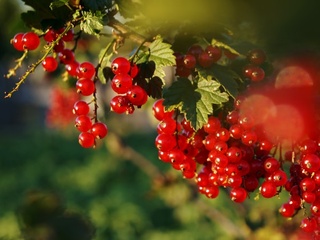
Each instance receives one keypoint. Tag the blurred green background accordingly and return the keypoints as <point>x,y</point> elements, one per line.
<point>121,191</point>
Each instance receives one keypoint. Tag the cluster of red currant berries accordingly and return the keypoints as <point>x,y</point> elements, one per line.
<point>197,56</point>
<point>129,94</point>
<point>230,153</point>
<point>253,69</point>
<point>25,41</point>
<point>90,128</point>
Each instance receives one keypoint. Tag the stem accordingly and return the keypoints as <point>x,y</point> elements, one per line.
<point>33,67</point>
<point>19,61</point>
<point>127,32</point>
<point>96,78</point>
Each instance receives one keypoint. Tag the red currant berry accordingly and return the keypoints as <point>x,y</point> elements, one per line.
<point>214,52</point>
<point>120,65</point>
<point>50,35</point>
<point>189,61</point>
<point>59,47</point>
<point>308,224</point>
<point>167,125</point>
<point>182,71</point>
<point>17,42</point>
<point>238,194</point>
<point>121,83</point>
<point>256,56</point>
<point>159,111</point>
<point>68,36</point>
<point>86,70</point>
<point>86,140</point>
<point>249,137</point>
<point>119,104</point>
<point>50,64</point>
<point>310,162</point>
<point>213,125</point>
<point>205,60</point>
<point>268,189</point>
<point>66,56</point>
<point>165,142</point>
<point>30,40</point>
<point>137,95</point>
<point>257,74</point>
<point>83,123</point>
<point>271,165</point>
<point>72,68</point>
<point>81,108</point>
<point>85,86</point>
<point>99,130</point>
<point>287,210</point>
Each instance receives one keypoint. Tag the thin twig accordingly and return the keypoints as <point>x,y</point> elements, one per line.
<point>33,67</point>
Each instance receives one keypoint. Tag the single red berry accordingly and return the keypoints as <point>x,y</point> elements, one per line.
<point>119,104</point>
<point>213,125</point>
<point>307,184</point>
<point>214,52</point>
<point>165,142</point>
<point>81,108</point>
<point>72,68</point>
<point>158,110</point>
<point>30,40</point>
<point>268,189</point>
<point>83,123</point>
<point>99,130</point>
<point>256,56</point>
<point>212,191</point>
<point>66,56</point>
<point>309,224</point>
<point>17,42</point>
<point>189,61</point>
<point>310,162</point>
<point>120,65</point>
<point>287,210</point>
<point>205,60</point>
<point>137,95</point>
<point>167,125</point>
<point>271,165</point>
<point>50,64</point>
<point>257,74</point>
<point>249,137</point>
<point>50,35</point>
<point>59,47</point>
<point>238,194</point>
<point>86,70</point>
<point>250,183</point>
<point>85,86</point>
<point>68,36</point>
<point>86,140</point>
<point>182,71</point>
<point>121,83</point>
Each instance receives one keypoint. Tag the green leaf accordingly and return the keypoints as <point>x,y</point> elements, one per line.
<point>58,3</point>
<point>196,102</point>
<point>92,23</point>
<point>162,54</point>
<point>103,73</point>
<point>210,94</point>
<point>155,87</point>
<point>224,75</point>
<point>42,16</point>
<point>181,95</point>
